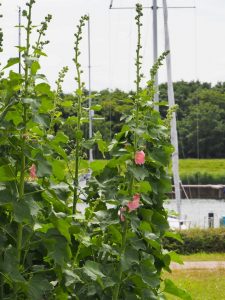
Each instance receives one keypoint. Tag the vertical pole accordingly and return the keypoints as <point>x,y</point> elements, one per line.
<point>174,138</point>
<point>19,38</point>
<point>155,47</point>
<point>91,112</point>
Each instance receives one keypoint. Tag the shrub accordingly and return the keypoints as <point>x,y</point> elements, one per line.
<point>202,178</point>
<point>198,240</point>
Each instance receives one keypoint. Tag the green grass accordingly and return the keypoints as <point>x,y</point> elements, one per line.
<point>200,284</point>
<point>204,257</point>
<point>210,166</point>
<point>202,171</point>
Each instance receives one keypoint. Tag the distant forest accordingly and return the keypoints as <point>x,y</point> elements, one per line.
<point>200,116</point>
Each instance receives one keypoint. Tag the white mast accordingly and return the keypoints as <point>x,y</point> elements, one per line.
<point>174,138</point>
<point>155,48</point>
<point>19,38</point>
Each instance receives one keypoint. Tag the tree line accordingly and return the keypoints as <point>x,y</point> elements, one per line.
<point>200,116</point>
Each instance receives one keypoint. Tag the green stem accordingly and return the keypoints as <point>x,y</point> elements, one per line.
<point>122,251</point>
<point>138,69</point>
<point>1,287</point>
<point>130,187</point>
<point>79,94</point>
<point>23,158</point>
<point>77,160</point>
<point>77,154</point>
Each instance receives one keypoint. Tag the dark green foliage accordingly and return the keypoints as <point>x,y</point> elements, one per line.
<point>201,115</point>
<point>202,178</point>
<point>198,240</point>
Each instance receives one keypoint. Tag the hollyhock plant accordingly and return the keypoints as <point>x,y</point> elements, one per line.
<point>139,157</point>
<point>33,171</point>
<point>135,203</point>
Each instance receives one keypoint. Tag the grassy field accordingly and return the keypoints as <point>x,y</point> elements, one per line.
<point>200,284</point>
<point>204,257</point>
<point>202,171</point>
<point>210,166</point>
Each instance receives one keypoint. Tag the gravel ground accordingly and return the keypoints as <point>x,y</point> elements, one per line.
<point>198,265</point>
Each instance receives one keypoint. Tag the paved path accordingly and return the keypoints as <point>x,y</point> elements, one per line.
<point>198,265</point>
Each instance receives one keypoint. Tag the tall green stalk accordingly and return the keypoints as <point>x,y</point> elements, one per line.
<point>122,251</point>
<point>23,133</point>
<point>79,94</point>
<point>137,81</point>
<point>138,64</point>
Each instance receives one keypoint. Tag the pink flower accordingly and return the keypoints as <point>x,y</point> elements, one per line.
<point>33,171</point>
<point>122,209</point>
<point>135,203</point>
<point>139,158</point>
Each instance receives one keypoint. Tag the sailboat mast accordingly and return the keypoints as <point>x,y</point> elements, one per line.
<point>174,137</point>
<point>19,37</point>
<point>155,47</point>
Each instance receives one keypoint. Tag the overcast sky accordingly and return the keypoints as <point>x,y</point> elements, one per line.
<point>197,40</point>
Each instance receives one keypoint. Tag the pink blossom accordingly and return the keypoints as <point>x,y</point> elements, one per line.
<point>135,203</point>
<point>139,158</point>
<point>122,217</point>
<point>33,171</point>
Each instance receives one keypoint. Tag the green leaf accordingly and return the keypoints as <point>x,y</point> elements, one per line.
<point>58,247</point>
<point>117,237</point>
<point>148,273</point>
<point>47,104</point>
<point>129,258</point>
<point>67,103</point>
<point>79,92</point>
<point>97,166</point>
<point>39,52</point>
<point>146,214</point>
<point>61,138</point>
<point>37,287</point>
<point>43,89</point>
<point>96,107</point>
<point>14,116</point>
<point>71,120</point>
<point>58,169</point>
<point>6,173</point>
<point>175,257</point>
<point>145,187</point>
<point>160,221</point>
<point>41,119</point>
<point>59,150</point>
<point>139,172</point>
<point>70,277</point>
<point>92,269</point>
<point>175,236</point>
<point>10,264</point>
<point>62,225</point>
<point>138,243</point>
<point>172,289</point>
<point>6,195</point>
<point>44,168</point>
<point>88,144</point>
<point>37,130</point>
<point>35,66</point>
<point>22,211</point>
<point>12,61</point>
